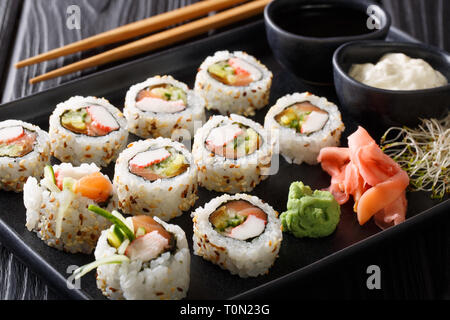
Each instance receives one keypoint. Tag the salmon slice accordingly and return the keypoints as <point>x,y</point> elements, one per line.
<point>380,196</point>
<point>11,134</point>
<point>255,219</point>
<point>246,209</point>
<point>94,186</point>
<point>150,225</point>
<point>147,93</point>
<point>102,121</point>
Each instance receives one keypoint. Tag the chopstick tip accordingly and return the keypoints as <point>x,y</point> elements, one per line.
<point>19,65</point>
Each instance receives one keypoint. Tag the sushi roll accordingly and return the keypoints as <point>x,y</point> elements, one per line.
<point>232,154</point>
<point>234,83</point>
<point>57,206</point>
<point>24,152</point>
<point>87,130</point>
<point>163,107</point>
<point>140,258</point>
<point>240,233</point>
<point>305,123</point>
<point>156,177</point>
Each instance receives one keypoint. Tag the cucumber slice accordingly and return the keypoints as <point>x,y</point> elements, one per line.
<point>140,232</point>
<point>115,237</point>
<point>69,183</point>
<point>49,174</point>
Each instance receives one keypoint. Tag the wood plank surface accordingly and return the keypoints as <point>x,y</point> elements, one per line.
<point>9,16</point>
<point>43,26</point>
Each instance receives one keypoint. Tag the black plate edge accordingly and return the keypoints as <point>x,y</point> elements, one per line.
<point>25,254</point>
<point>437,211</point>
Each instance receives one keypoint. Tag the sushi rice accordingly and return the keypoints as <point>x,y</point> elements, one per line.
<point>80,228</point>
<point>14,172</point>
<point>228,99</point>
<point>164,198</point>
<point>146,124</point>
<point>244,258</point>
<point>229,175</point>
<point>68,146</point>
<point>166,277</point>
<point>297,147</point>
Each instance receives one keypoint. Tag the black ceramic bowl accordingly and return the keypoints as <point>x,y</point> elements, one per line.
<point>303,34</point>
<point>379,108</point>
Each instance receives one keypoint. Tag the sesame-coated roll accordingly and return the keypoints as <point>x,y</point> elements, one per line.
<point>234,83</point>
<point>163,107</point>
<point>87,130</point>
<point>232,154</point>
<point>156,177</point>
<point>155,266</point>
<point>24,151</point>
<point>57,206</point>
<point>305,124</point>
<point>240,233</point>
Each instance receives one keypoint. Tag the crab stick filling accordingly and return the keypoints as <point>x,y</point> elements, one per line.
<point>152,239</point>
<point>16,141</point>
<point>235,72</point>
<point>91,121</point>
<point>239,219</point>
<point>157,164</point>
<point>303,117</point>
<point>163,98</point>
<point>233,141</point>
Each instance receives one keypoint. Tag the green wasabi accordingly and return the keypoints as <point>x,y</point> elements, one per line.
<point>310,214</point>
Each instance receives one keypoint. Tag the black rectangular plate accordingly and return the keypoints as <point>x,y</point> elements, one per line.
<point>296,256</point>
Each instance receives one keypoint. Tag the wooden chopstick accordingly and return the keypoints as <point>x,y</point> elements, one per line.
<point>161,39</point>
<point>134,29</point>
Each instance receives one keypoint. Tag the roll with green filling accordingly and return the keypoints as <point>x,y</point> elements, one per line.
<point>310,214</point>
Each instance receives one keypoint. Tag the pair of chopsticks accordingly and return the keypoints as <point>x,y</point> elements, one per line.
<point>152,42</point>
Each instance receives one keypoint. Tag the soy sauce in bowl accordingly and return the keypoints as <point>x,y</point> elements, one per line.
<point>324,22</point>
<point>303,34</point>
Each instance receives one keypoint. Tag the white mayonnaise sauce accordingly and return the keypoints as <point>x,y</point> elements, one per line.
<point>397,71</point>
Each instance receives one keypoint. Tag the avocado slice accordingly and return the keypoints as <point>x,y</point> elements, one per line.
<point>12,150</point>
<point>74,120</point>
<point>252,141</point>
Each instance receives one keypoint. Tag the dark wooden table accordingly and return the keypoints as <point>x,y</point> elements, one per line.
<point>30,27</point>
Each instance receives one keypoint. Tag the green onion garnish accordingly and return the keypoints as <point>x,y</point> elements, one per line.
<point>106,214</point>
